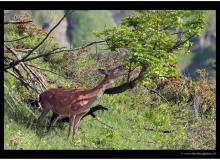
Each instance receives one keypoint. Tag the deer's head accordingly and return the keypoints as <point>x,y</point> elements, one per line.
<point>112,73</point>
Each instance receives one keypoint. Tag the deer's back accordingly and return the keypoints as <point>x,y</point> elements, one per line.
<point>59,99</point>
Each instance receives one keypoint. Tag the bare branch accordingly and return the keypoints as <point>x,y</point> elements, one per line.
<point>20,50</point>
<point>20,79</point>
<point>27,69</point>
<point>14,40</point>
<point>103,123</point>
<point>89,44</point>
<point>39,44</point>
<point>8,58</point>
<point>48,71</point>
<point>46,54</point>
<point>177,33</point>
<point>129,72</point>
<point>52,29</point>
<point>15,69</point>
<point>23,50</point>
<point>152,91</point>
<point>11,50</point>
<point>179,43</point>
<point>35,75</point>
<point>54,51</point>
<point>16,22</point>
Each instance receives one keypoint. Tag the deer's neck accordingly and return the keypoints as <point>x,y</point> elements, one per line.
<point>99,89</point>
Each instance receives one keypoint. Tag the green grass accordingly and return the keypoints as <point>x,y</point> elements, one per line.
<point>128,124</point>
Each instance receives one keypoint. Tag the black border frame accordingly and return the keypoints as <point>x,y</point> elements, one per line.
<point>104,5</point>
<point>109,5</point>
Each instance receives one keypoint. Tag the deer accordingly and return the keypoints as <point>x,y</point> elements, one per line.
<point>73,103</point>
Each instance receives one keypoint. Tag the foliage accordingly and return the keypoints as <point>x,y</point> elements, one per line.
<point>198,93</point>
<point>204,53</point>
<point>34,34</point>
<point>130,123</point>
<point>155,38</point>
<point>205,59</point>
<point>23,37</point>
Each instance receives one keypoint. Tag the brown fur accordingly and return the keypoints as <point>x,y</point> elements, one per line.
<point>72,103</point>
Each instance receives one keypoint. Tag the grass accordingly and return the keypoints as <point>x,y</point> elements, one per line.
<point>128,124</point>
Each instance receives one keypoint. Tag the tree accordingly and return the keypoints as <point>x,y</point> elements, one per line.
<point>153,39</point>
<point>149,40</point>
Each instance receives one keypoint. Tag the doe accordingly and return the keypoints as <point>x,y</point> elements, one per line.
<point>73,103</point>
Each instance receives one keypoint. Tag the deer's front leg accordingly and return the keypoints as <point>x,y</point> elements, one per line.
<point>72,117</point>
<point>43,115</point>
<point>53,121</point>
<point>78,118</point>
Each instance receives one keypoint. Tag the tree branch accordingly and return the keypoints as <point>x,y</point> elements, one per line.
<point>29,71</point>
<point>20,79</point>
<point>35,75</point>
<point>129,72</point>
<point>103,123</point>
<point>127,85</point>
<point>152,91</point>
<point>16,22</point>
<point>8,58</point>
<point>39,44</point>
<point>46,54</point>
<point>179,43</point>
<point>13,40</point>
<point>89,44</point>
<point>54,51</point>
<point>64,50</point>
<point>48,71</point>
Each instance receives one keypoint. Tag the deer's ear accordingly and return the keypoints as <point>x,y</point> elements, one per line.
<point>102,71</point>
